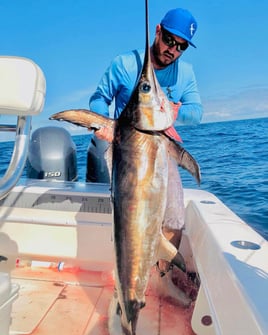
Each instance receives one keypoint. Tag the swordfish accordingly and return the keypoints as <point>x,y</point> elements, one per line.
<point>141,148</point>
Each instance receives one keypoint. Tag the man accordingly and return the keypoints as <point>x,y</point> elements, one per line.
<point>172,37</point>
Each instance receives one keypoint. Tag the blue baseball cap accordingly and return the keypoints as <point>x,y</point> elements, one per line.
<point>180,22</point>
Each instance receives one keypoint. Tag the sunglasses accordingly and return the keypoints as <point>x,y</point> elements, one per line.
<point>170,41</point>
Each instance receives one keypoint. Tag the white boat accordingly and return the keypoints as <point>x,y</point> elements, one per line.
<point>56,248</point>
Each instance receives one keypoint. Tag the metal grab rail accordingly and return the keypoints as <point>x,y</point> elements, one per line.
<point>8,127</point>
<point>19,156</point>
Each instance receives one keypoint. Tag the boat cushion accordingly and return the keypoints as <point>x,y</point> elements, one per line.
<point>22,86</point>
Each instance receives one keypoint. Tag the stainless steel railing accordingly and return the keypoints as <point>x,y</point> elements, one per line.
<point>19,156</point>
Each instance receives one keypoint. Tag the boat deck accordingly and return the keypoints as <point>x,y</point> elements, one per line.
<point>75,302</point>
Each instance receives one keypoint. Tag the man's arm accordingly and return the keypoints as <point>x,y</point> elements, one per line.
<point>190,113</point>
<point>102,98</point>
<point>116,84</point>
<point>191,110</point>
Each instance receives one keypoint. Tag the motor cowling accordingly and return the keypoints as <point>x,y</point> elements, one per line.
<point>97,169</point>
<point>52,155</point>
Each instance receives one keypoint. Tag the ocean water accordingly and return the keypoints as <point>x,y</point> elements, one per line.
<point>233,157</point>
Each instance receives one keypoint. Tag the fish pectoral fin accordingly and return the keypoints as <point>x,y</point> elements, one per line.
<point>95,126</point>
<point>84,118</point>
<point>185,160</point>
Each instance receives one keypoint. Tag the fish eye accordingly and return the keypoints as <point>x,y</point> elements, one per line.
<point>145,87</point>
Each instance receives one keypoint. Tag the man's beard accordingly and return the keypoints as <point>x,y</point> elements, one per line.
<point>157,59</point>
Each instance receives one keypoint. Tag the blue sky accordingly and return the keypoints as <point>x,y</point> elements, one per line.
<point>73,41</point>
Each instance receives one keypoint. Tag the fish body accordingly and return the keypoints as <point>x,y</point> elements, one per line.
<point>141,150</point>
<point>139,197</point>
<point>139,193</point>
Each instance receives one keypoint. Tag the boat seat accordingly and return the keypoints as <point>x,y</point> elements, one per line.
<point>22,93</point>
<point>22,86</point>
<point>231,259</point>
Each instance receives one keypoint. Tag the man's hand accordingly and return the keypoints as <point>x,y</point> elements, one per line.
<point>105,133</point>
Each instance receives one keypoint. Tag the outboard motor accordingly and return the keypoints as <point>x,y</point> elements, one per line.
<point>52,155</point>
<point>97,170</point>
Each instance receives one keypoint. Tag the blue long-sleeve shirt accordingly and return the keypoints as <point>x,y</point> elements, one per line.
<point>177,81</point>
